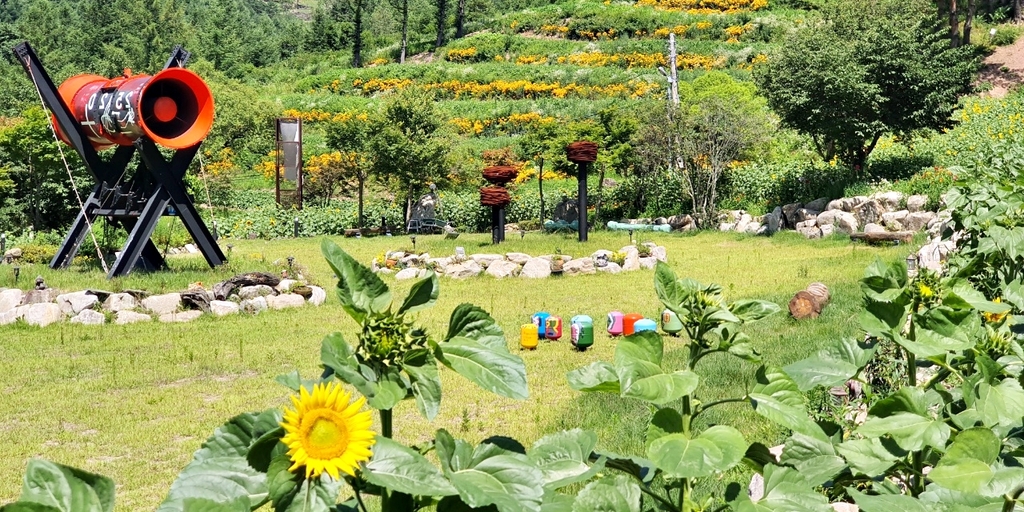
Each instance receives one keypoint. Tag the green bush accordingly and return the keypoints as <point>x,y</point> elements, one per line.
<point>760,187</point>
<point>1006,35</point>
<point>38,253</point>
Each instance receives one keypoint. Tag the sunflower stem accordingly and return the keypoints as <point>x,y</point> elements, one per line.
<point>385,431</point>
<point>385,423</point>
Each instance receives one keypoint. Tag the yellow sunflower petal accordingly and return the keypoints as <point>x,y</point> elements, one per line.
<point>326,432</point>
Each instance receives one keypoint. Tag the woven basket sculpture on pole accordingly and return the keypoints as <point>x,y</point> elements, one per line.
<point>496,196</point>
<point>582,153</point>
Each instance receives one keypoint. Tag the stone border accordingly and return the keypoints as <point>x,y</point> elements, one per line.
<point>518,264</point>
<point>878,213</point>
<point>94,307</point>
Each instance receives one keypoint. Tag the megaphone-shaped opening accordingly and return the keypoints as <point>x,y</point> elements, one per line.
<point>176,108</point>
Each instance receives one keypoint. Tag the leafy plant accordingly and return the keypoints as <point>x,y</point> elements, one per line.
<point>680,453</point>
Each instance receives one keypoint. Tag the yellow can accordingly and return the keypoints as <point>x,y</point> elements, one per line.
<point>528,336</point>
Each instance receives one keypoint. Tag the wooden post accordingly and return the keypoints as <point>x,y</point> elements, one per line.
<point>673,74</point>
<point>540,188</point>
<point>581,201</point>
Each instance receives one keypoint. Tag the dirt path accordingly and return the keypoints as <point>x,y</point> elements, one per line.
<point>1004,69</point>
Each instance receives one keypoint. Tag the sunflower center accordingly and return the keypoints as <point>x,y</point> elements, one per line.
<point>326,435</point>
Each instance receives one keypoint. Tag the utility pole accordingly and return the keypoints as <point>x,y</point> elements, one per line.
<point>674,77</point>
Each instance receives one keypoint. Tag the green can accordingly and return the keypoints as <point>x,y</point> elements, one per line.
<point>670,322</point>
<point>582,332</point>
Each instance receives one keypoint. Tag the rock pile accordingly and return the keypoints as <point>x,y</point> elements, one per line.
<point>95,307</point>
<point>882,212</point>
<point>517,264</point>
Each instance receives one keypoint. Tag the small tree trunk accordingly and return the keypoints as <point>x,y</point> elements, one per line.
<point>808,303</point>
<point>405,30</point>
<point>972,8</point>
<point>442,21</point>
<point>600,195</point>
<point>540,189</point>
<point>1018,10</point>
<point>357,37</point>
<point>954,24</point>
<point>460,19</point>
<point>360,199</point>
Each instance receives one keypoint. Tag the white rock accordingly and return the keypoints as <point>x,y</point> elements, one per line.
<point>916,203</point>
<point>773,221</point>
<point>753,228</point>
<point>223,308</point>
<point>835,204</point>
<point>254,305</point>
<point>661,253</point>
<point>119,302</point>
<point>486,259</point>
<point>536,268</point>
<point>251,292</point>
<point>89,317</point>
<point>411,260</point>
<point>890,200</point>
<point>42,314</point>
<point>789,213</point>
<point>285,300</point>
<point>918,220</point>
<point>827,230</point>
<point>318,297</point>
<point>648,262</point>
<point>743,222</point>
<point>726,226</point>
<point>809,223</point>
<point>891,217</point>
<point>869,212</point>
<point>285,285</point>
<point>191,249</point>
<point>395,255</point>
<point>163,304</point>
<point>73,303</point>
<point>407,273</point>
<point>579,266</point>
<point>463,270</point>
<point>934,253</point>
<point>440,263</point>
<point>10,299</point>
<point>811,232</point>
<point>180,316</point>
<point>131,317</point>
<point>845,507</point>
<point>611,268</point>
<point>9,317</point>
<point>385,271</point>
<point>871,227</point>
<point>501,269</point>
<point>519,258</point>
<point>805,214</point>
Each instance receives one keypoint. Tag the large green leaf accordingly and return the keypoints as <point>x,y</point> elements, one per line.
<point>617,494</point>
<point>359,289</point>
<point>908,399</point>
<point>65,488</point>
<point>232,439</point>
<point>717,449</point>
<point>665,421</point>
<point>470,321</point>
<point>28,506</point>
<point>220,479</point>
<point>962,295</point>
<point>390,389</point>
<point>402,469</point>
<point>777,397</point>
<point>645,381</point>
<point>965,475</point>
<point>422,295</point>
<point>292,492</point>
<point>426,384</point>
<point>868,456</point>
<point>943,329</point>
<point>911,432</point>
<point>831,366</point>
<point>336,354</point>
<point>597,376</point>
<point>977,443</point>
<point>813,457</point>
<point>640,468</point>
<point>1002,404</point>
<point>883,319</point>
<point>667,288</point>
<point>887,502</point>
<point>204,505</point>
<point>493,369</point>
<point>500,478</point>
<point>555,502</point>
<point>750,310</point>
<point>884,283</point>
<point>563,457</point>
<point>643,346</point>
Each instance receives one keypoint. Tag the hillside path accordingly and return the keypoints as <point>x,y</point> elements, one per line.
<point>1004,69</point>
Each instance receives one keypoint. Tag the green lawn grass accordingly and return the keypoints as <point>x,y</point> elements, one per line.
<point>133,402</point>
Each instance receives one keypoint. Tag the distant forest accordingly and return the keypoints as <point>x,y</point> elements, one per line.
<point>238,37</point>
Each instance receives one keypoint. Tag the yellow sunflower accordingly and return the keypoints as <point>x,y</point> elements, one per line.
<point>326,431</point>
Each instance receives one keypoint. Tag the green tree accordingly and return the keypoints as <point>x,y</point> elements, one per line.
<point>408,144</point>
<point>351,138</point>
<point>864,70</point>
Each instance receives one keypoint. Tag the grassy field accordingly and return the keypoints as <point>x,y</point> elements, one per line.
<point>133,402</point>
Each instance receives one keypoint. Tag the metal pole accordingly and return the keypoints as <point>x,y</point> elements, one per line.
<point>581,201</point>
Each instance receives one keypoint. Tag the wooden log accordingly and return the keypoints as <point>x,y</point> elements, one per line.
<point>889,236</point>
<point>808,303</point>
<point>222,289</point>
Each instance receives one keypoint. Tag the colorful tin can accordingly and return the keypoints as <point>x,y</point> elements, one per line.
<point>615,323</point>
<point>670,322</point>
<point>645,324</point>
<point>553,327</point>
<point>528,336</point>
<point>629,323</point>
<point>539,320</point>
